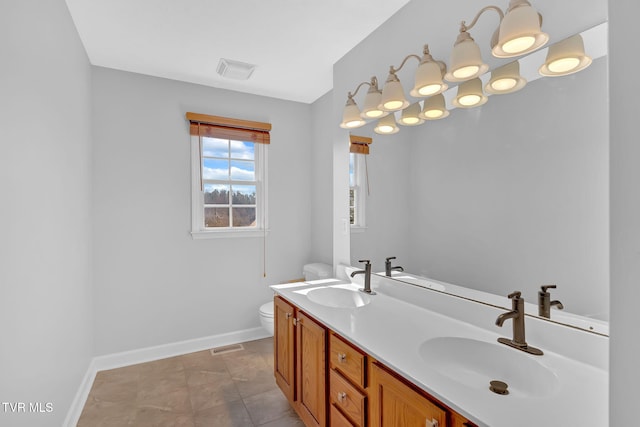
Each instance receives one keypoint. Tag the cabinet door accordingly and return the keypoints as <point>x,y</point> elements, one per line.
<point>395,404</point>
<point>283,347</point>
<point>311,371</point>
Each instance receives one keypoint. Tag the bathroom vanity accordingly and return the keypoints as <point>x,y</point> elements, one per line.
<point>413,357</point>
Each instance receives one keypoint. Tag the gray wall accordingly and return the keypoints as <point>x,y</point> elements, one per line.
<point>321,179</point>
<point>45,222</point>
<point>625,214</point>
<point>514,194</point>
<point>154,284</point>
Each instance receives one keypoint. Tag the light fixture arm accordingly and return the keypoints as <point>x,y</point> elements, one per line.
<point>372,83</point>
<point>464,27</point>
<point>393,70</point>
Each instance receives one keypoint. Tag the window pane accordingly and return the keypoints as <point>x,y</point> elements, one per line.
<point>244,217</point>
<point>244,194</point>
<point>216,217</point>
<point>242,150</point>
<point>214,147</point>
<point>215,169</point>
<point>242,170</point>
<point>352,170</point>
<point>216,194</point>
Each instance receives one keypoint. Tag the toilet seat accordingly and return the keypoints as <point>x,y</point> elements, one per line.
<point>266,309</point>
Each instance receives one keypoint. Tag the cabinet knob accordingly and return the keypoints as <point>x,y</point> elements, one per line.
<point>432,423</point>
<point>342,357</point>
<point>342,396</point>
<point>289,315</point>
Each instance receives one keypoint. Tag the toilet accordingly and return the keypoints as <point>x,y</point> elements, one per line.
<point>315,271</point>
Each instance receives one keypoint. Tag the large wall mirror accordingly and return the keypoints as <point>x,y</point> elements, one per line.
<point>509,196</point>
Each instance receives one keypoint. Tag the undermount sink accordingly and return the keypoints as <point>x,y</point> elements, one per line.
<point>338,297</point>
<point>475,364</point>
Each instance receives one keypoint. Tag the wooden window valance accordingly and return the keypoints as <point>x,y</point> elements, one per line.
<point>227,128</point>
<point>359,144</point>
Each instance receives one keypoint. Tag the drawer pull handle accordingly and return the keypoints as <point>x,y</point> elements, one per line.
<point>342,396</point>
<point>342,357</point>
<point>432,423</point>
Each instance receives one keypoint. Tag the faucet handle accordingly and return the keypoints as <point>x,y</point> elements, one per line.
<point>390,258</point>
<point>367,261</point>
<point>514,295</point>
<point>545,287</point>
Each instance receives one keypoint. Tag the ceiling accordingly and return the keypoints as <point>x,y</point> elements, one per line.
<point>294,43</point>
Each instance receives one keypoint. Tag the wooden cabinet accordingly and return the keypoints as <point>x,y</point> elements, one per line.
<point>283,347</point>
<point>311,374</point>
<point>300,362</point>
<point>331,382</point>
<point>395,404</point>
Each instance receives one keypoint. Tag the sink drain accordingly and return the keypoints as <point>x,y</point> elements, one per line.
<point>498,387</point>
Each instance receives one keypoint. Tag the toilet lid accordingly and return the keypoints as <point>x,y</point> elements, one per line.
<point>267,309</point>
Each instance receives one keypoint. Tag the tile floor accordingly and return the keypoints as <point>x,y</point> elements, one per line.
<point>235,389</point>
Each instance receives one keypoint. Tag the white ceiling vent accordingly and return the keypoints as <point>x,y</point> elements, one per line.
<point>234,69</point>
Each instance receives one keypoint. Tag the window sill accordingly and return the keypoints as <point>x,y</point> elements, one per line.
<point>227,234</point>
<point>358,229</point>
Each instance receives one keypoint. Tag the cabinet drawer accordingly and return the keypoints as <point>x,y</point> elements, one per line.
<point>346,397</point>
<point>338,420</point>
<point>349,361</point>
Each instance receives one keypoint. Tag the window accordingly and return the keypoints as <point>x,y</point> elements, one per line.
<point>359,148</point>
<point>229,196</point>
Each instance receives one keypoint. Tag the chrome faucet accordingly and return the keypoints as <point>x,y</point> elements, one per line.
<point>388,269</point>
<point>545,303</point>
<point>517,315</point>
<point>367,276</point>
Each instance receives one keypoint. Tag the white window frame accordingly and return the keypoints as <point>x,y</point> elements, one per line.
<point>198,230</point>
<point>359,189</point>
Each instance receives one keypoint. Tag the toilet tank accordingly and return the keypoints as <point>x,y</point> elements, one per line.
<point>317,271</point>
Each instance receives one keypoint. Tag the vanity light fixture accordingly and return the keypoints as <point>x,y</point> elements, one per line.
<point>429,76</point>
<point>370,109</point>
<point>387,125</point>
<point>351,116</point>
<point>393,98</point>
<point>565,57</point>
<point>411,115</point>
<point>470,94</point>
<point>505,79</point>
<point>519,31</point>
<point>434,108</point>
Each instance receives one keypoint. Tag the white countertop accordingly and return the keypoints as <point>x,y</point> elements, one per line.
<point>392,330</point>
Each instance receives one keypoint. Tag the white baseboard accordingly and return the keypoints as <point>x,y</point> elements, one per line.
<point>148,354</point>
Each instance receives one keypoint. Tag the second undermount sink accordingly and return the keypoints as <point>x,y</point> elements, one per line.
<point>338,297</point>
<point>475,364</point>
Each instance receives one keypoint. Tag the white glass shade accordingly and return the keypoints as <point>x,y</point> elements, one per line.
<point>370,108</point>
<point>351,116</point>
<point>505,79</point>
<point>520,31</point>
<point>466,61</point>
<point>434,108</point>
<point>411,115</point>
<point>387,125</point>
<point>428,80</point>
<point>470,94</point>
<point>393,98</point>
<point>565,57</point>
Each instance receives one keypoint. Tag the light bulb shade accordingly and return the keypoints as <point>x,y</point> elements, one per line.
<point>434,108</point>
<point>470,94</point>
<point>393,98</point>
<point>351,116</point>
<point>505,79</point>
<point>387,125</point>
<point>565,57</point>
<point>411,115</point>
<point>520,31</point>
<point>370,108</point>
<point>428,80</point>
<point>466,61</point>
